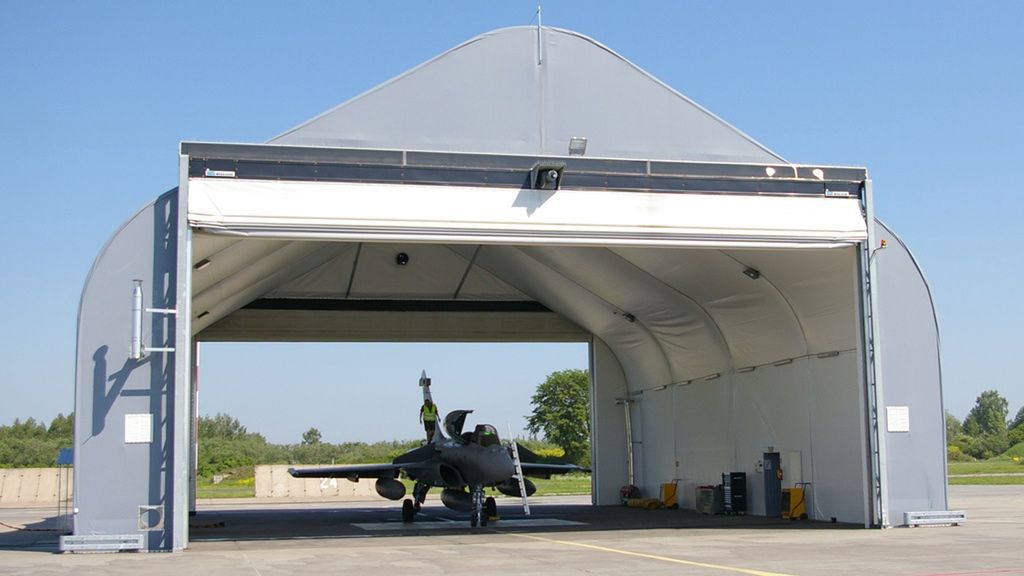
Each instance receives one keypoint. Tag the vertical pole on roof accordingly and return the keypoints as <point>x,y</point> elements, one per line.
<point>540,53</point>
<point>873,369</point>
<point>182,425</point>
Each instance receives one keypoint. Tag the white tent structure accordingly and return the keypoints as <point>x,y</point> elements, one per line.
<point>541,188</point>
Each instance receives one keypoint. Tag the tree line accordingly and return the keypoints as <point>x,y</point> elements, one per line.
<point>985,432</point>
<point>561,415</point>
<point>33,444</point>
<point>561,408</point>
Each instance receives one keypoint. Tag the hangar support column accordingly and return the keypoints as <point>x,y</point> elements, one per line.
<point>608,425</point>
<point>127,407</point>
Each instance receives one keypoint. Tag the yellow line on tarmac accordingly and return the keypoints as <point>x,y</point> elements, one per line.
<point>652,556</point>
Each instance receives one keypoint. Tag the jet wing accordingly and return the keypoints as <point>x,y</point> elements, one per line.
<point>352,471</point>
<point>415,458</point>
<point>538,470</point>
<point>531,467</point>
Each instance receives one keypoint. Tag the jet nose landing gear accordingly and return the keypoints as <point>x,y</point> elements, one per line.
<point>480,514</point>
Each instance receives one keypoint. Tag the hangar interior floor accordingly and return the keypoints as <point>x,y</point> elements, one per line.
<point>311,520</point>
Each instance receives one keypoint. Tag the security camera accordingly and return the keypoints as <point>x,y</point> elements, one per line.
<point>401,259</point>
<point>547,176</point>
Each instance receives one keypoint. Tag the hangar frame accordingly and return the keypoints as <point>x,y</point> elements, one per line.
<point>720,297</point>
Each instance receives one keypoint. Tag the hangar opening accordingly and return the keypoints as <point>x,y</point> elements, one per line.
<point>312,384</point>
<point>735,303</point>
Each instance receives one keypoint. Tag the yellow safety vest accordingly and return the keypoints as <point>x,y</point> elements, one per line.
<point>429,413</point>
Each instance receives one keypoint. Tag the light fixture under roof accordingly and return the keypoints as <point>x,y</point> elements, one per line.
<point>782,362</point>
<point>745,370</point>
<point>752,273</point>
<point>201,264</point>
<point>577,146</point>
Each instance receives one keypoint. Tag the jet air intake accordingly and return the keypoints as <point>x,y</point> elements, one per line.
<point>390,488</point>
<point>450,476</point>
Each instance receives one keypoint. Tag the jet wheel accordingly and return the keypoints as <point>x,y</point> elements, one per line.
<point>408,511</point>
<point>490,507</point>
<point>473,520</point>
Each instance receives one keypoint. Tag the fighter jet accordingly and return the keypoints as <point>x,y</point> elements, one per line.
<point>461,463</point>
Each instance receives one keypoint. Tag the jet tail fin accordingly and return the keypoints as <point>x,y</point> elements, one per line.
<point>525,454</point>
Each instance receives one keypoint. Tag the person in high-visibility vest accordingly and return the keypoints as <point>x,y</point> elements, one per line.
<point>428,416</point>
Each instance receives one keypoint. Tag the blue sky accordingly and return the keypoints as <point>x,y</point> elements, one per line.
<point>97,96</point>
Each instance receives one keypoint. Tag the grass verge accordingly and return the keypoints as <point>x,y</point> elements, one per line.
<point>986,480</point>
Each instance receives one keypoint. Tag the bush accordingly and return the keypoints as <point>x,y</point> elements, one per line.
<point>986,446</point>
<point>1016,451</point>
<point>955,454</point>
<point>1016,436</point>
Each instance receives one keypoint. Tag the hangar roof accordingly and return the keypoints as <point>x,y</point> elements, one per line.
<point>528,90</point>
<point>686,246</point>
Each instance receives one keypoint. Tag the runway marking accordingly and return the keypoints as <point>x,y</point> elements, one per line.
<point>447,524</point>
<point>978,572</point>
<point>650,556</point>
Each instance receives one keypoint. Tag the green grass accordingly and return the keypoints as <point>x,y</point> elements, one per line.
<point>996,465</point>
<point>241,486</point>
<point>1003,470</point>
<point>218,491</point>
<point>987,480</point>
<point>563,485</point>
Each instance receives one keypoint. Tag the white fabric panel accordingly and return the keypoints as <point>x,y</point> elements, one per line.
<point>471,214</point>
<point>433,272</point>
<point>839,466</point>
<point>811,406</point>
<point>231,259</point>
<point>636,350</point>
<point>658,428</point>
<point>771,411</point>
<point>706,448</point>
<point>821,286</point>
<point>206,245</point>
<point>755,320</point>
<point>329,280</point>
<point>256,280</point>
<point>688,338</point>
<point>482,285</point>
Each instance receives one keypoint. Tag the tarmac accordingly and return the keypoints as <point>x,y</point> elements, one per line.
<point>563,535</point>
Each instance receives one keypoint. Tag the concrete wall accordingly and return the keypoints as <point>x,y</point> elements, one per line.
<point>34,485</point>
<point>276,482</point>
